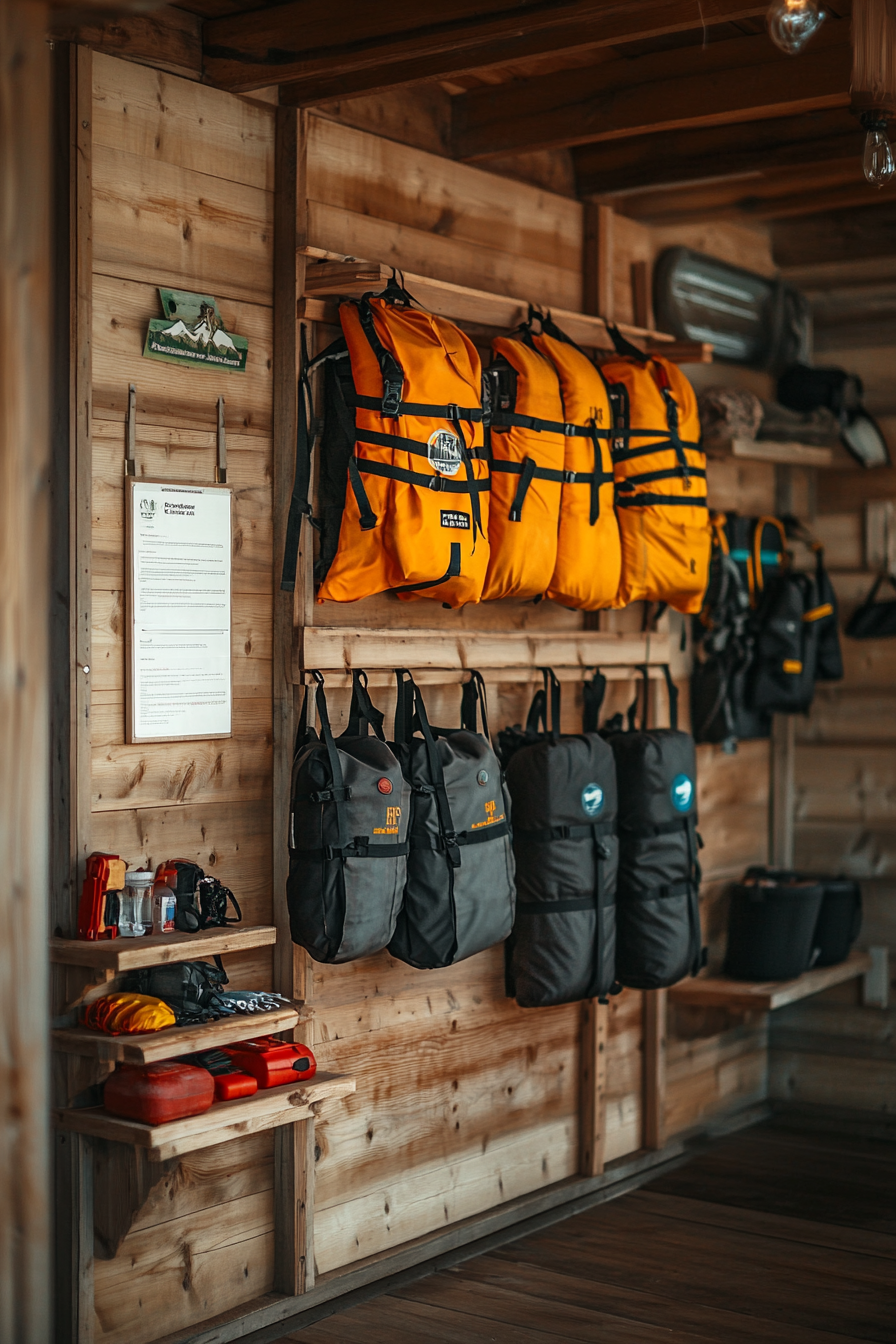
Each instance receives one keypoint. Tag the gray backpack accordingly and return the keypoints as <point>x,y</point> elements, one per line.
<point>348,834</point>
<point>563,789</point>
<point>460,894</point>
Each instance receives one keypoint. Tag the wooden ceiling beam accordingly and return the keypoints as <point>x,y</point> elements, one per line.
<point>319,53</point>
<point>837,236</point>
<point>711,152</point>
<point>743,79</point>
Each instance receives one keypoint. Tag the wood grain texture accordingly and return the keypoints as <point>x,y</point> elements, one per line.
<point>169,39</point>
<point>722,992</point>
<point>592,1105</point>
<point>25,373</point>
<point>157,949</point>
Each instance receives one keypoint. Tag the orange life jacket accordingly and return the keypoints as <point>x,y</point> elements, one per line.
<point>586,574</point>
<point>660,482</point>
<point>527,451</point>
<point>416,503</point>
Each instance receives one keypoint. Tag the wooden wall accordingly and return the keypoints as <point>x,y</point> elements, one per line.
<point>464,1101</point>
<point>183,196</point>
<point>830,1051</point>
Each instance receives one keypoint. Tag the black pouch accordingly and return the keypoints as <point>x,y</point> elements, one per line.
<point>873,619</point>
<point>190,988</point>
<point>213,897</point>
<point>187,915</point>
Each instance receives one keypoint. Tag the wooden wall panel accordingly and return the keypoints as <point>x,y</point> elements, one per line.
<point>183,179</point>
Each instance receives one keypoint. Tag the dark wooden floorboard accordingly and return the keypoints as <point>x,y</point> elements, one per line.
<point>770,1237</point>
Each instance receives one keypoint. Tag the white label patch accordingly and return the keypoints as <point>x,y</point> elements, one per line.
<point>444,452</point>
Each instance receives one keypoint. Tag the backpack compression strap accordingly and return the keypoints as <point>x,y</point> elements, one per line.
<point>672,690</point>
<point>593,693</point>
<point>473,705</point>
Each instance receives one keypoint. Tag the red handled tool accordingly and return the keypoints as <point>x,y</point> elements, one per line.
<point>273,1062</point>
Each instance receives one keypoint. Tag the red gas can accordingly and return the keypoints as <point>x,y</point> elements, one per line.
<point>273,1062</point>
<point>156,1093</point>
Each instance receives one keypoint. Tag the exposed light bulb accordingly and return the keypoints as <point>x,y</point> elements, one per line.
<point>792,22</point>
<point>877,160</point>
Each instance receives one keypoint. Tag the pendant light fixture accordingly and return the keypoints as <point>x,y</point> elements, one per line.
<point>792,22</point>
<point>873,84</point>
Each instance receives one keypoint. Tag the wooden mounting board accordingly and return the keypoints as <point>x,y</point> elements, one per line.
<point>769,450</point>
<point>346,279</point>
<point>150,1047</point>
<point>717,991</point>
<point>225,1120</point>
<point>342,648</point>
<point>158,949</point>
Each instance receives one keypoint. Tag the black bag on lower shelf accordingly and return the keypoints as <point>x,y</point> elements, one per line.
<point>460,895</point>
<point>657,895</point>
<point>873,619</point>
<point>771,927</point>
<point>839,919</point>
<point>563,789</point>
<point>348,834</point>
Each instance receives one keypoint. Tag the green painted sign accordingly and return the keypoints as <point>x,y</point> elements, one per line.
<point>191,332</point>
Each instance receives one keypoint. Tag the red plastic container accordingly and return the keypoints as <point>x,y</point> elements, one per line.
<point>230,1086</point>
<point>274,1062</point>
<point>157,1093</point>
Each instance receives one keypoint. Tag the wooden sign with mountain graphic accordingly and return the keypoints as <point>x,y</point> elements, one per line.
<point>191,332</point>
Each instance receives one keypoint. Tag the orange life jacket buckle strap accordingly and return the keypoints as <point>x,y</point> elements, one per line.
<point>391,370</point>
<point>366,515</point>
<point>425,409</point>
<point>643,501</point>
<point>451,572</point>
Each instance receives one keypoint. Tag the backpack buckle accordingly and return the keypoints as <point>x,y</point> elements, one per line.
<point>452,849</point>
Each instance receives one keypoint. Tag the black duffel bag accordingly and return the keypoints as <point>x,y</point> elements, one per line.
<point>348,834</point>
<point>460,894</point>
<point>873,619</point>
<point>563,789</point>
<point>657,893</point>
<point>771,927</point>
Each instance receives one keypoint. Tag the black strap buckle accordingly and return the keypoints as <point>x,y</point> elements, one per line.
<point>437,482</point>
<point>391,398</point>
<point>453,411</point>
<point>452,849</point>
<point>569,477</point>
<point>330,795</point>
<point>570,431</point>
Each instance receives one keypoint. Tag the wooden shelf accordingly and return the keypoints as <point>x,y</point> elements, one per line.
<point>225,1120</point>
<point>332,279</point>
<point>159,949</point>
<point>769,450</point>
<point>340,648</point>
<point>717,991</point>
<point>152,1046</point>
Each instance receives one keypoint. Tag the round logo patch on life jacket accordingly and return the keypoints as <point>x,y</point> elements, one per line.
<point>384,785</point>
<point>682,792</point>
<point>592,799</point>
<point>444,452</point>
<point>482,777</point>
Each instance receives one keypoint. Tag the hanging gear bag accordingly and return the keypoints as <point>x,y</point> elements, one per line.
<point>586,575</point>
<point>657,893</point>
<point>415,519</point>
<point>873,619</point>
<point>563,789</point>
<point>460,894</point>
<point>527,448</point>
<point>348,837</point>
<point>660,480</point>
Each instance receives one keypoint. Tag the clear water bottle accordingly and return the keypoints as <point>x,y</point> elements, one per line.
<point>136,906</point>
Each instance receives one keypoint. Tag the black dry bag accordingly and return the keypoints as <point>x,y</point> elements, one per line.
<point>839,920</point>
<point>459,897</point>
<point>657,892</point>
<point>771,927</point>
<point>563,790</point>
<point>348,834</point>
<point>873,619</point>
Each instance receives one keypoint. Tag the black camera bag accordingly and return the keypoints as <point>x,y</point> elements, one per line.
<point>460,894</point>
<point>348,835</point>
<point>657,892</point>
<point>563,790</point>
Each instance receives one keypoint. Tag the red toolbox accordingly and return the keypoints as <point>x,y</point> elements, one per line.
<point>273,1062</point>
<point>157,1093</point>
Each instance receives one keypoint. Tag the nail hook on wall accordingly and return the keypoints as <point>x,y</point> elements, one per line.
<point>221,468</point>
<point>130,437</point>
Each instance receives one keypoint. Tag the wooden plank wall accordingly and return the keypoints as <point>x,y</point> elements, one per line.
<point>183,196</point>
<point>831,1051</point>
<point>464,1101</point>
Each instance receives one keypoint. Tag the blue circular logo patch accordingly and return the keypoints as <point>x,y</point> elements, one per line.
<point>592,799</point>
<point>682,792</point>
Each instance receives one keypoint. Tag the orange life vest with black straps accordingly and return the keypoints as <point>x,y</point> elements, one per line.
<point>416,503</point>
<point>587,570</point>
<point>660,473</point>
<point>527,448</point>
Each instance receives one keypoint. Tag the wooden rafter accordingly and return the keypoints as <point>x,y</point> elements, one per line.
<point>837,236</point>
<point>714,152</point>
<point>743,79</point>
<point>322,53</point>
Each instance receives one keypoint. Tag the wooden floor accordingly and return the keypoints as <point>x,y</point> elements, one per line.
<point>771,1236</point>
